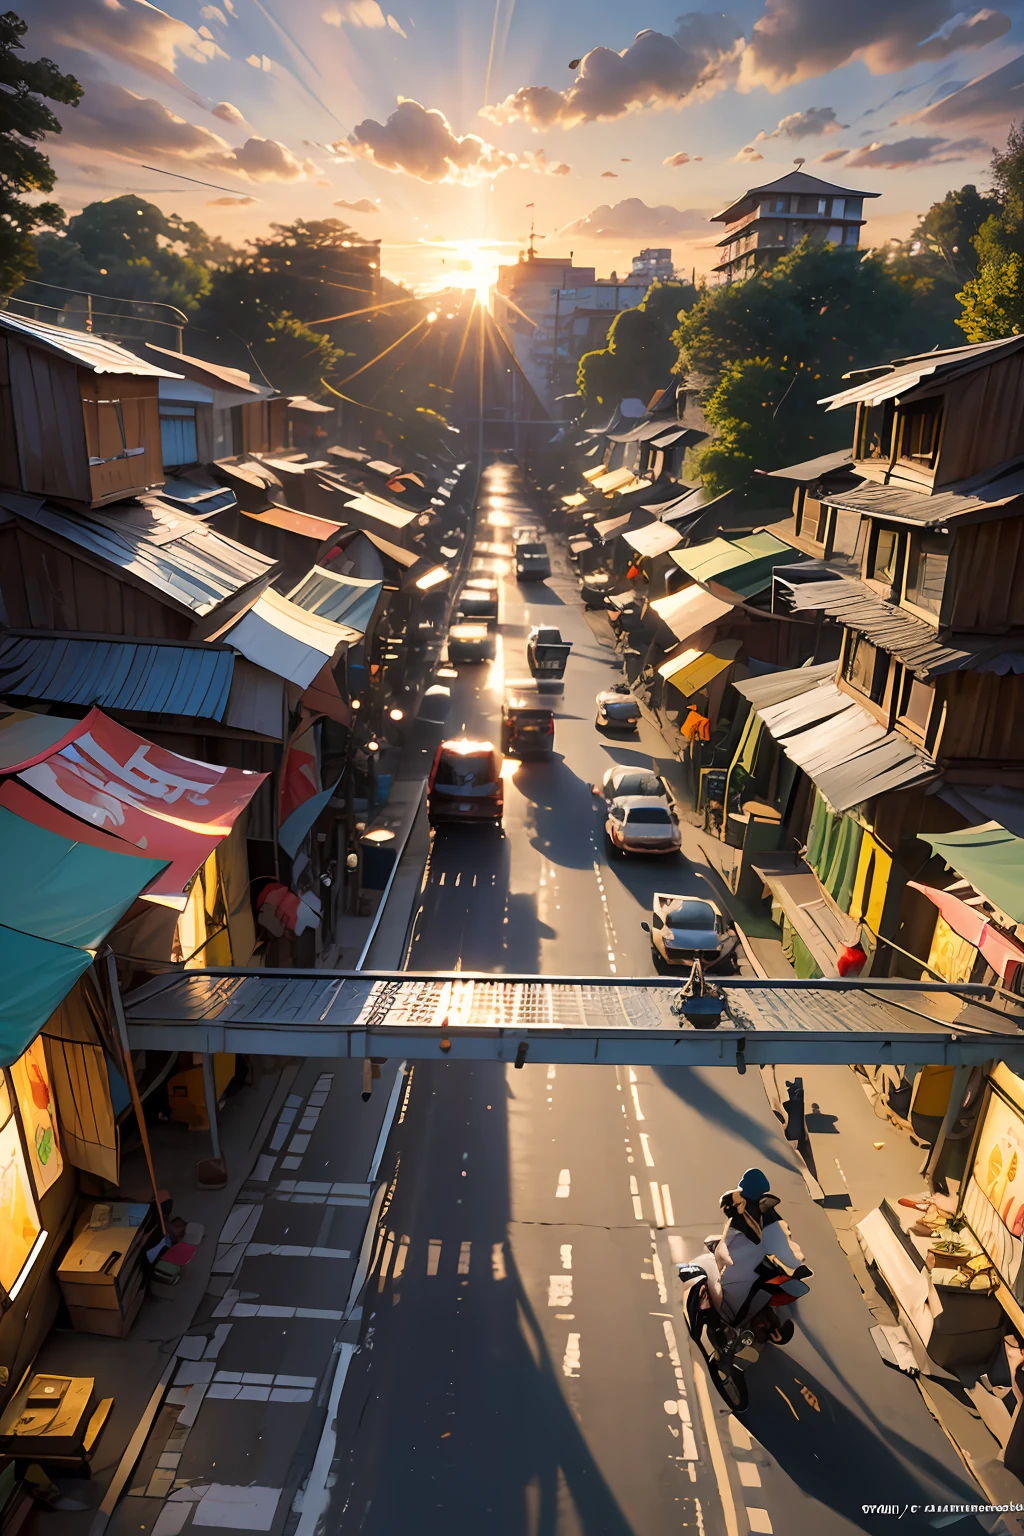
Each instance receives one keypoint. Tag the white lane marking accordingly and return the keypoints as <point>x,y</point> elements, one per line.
<point>740,1435</point>
<point>750,1477</point>
<point>562,1191</point>
<point>666,1200</point>
<point>718,1461</point>
<point>433,1255</point>
<point>565,1254</point>
<point>632,1076</point>
<point>571,1358</point>
<point>760,1522</point>
<point>659,1214</point>
<point>659,1275</point>
<point>646,1145</point>
<point>316,1497</point>
<point>498,1261</point>
<point>559,1290</point>
<point>464,1252</point>
<point>634,1189</point>
<point>551,1072</point>
<point>636,1101</point>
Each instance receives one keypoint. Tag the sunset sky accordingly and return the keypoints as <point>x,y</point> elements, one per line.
<point>433,126</point>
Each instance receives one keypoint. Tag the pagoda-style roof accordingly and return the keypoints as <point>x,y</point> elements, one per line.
<point>793,181</point>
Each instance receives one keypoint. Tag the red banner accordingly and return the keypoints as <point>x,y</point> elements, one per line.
<point>168,806</point>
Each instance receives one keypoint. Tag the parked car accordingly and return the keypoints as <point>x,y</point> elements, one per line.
<point>594,588</point>
<point>478,603</point>
<point>465,783</point>
<point>687,928</point>
<point>620,781</point>
<point>642,824</point>
<point>546,652</point>
<point>533,563</point>
<point>617,710</point>
<point>527,721</point>
<point>470,642</point>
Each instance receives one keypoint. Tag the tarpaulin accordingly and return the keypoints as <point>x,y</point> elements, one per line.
<point>38,975</point>
<point>1002,953</point>
<point>991,858</point>
<point>174,808</point>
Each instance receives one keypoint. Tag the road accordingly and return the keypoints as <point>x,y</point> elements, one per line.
<point>524,1368</point>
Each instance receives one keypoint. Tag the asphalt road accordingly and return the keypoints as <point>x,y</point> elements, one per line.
<point>524,1368</point>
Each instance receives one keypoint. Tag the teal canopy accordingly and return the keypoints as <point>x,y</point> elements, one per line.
<point>58,901</point>
<point>991,858</point>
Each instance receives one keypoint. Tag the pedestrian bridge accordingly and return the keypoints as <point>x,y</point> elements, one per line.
<point>565,1019</point>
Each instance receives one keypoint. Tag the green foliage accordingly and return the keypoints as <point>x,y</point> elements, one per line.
<point>993,301</point>
<point>766,350</point>
<point>25,87</point>
<point>949,228</point>
<point>294,357</point>
<point>640,354</point>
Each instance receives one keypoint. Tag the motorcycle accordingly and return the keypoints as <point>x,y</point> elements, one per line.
<point>730,1342</point>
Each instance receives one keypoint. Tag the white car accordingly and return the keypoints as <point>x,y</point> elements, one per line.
<point>620,781</point>
<point>687,928</point>
<point>642,824</point>
<point>617,709</point>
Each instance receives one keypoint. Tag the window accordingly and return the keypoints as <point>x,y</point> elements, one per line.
<point>926,570</point>
<point>919,432</point>
<point>885,557</point>
<point>865,667</point>
<point>835,234</point>
<point>821,532</point>
<point>916,702</point>
<point>823,205</point>
<point>853,207</point>
<point>178,435</point>
<point>874,431</point>
<point>839,207</point>
<point>850,237</point>
<point>780,205</point>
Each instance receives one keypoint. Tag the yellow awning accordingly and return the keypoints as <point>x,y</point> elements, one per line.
<point>691,670</point>
<point>595,473</point>
<point>575,500</point>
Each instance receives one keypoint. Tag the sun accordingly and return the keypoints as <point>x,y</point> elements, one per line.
<point>472,265</point>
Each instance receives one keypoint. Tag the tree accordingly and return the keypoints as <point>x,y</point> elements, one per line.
<point>293,357</point>
<point>25,87</point>
<point>949,228</point>
<point>771,347</point>
<point>993,301</point>
<point>640,354</point>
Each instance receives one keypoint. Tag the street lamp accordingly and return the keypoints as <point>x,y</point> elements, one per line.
<point>396,714</point>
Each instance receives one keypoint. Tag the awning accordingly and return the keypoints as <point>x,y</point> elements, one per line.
<point>811,470</point>
<point>688,611</point>
<point>1003,953</point>
<point>140,677</point>
<point>991,858</point>
<point>608,527</point>
<point>691,670</point>
<point>655,539</point>
<point>645,431</point>
<point>175,808</point>
<point>382,467</point>
<point>373,506</point>
<point>403,557</point>
<point>743,565</point>
<point>27,738</point>
<point>839,745</point>
<point>282,637</point>
<point>348,600</point>
<point>614,480</point>
<point>575,500</point>
<point>579,543</point>
<point>303,403</point>
<point>321,529</point>
<point>594,473</point>
<point>824,931</point>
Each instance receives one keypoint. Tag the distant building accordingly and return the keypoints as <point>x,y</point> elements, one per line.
<point>653,264</point>
<point>767,221</point>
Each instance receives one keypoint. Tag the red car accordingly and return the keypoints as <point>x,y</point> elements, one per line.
<point>465,783</point>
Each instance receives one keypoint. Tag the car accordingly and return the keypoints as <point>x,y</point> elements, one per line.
<point>641,824</point>
<point>436,704</point>
<point>465,783</point>
<point>594,588</point>
<point>478,603</point>
<point>470,642</point>
<point>527,720</point>
<point>620,781</point>
<point>546,651</point>
<point>687,928</point>
<point>533,563</point>
<point>617,709</point>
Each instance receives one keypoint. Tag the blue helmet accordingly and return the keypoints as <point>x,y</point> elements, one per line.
<point>753,1184</point>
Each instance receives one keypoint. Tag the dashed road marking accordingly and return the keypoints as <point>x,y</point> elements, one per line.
<point>666,1200</point>
<point>750,1477</point>
<point>645,1143</point>
<point>433,1255</point>
<point>498,1271</point>
<point>636,1102</point>
<point>565,1254</point>
<point>564,1182</point>
<point>571,1358</point>
<point>634,1189</point>
<point>559,1290</point>
<point>659,1214</point>
<point>760,1521</point>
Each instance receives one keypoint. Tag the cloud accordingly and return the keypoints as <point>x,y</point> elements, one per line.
<point>613,174</point>
<point>796,39</point>
<point>654,71</point>
<point>680,158</point>
<point>361,205</point>
<point>132,32</point>
<point>805,125</point>
<point>393,24</point>
<point>227,113</point>
<point>230,202</point>
<point>832,154</point>
<point>260,61</point>
<point>921,151</point>
<point>419,141</point>
<point>748,154</point>
<point>632,219</point>
<point>214,13</point>
<point>988,101</point>
<point>357,13</point>
<point>129,126</point>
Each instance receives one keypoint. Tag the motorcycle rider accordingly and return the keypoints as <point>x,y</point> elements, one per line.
<point>760,1265</point>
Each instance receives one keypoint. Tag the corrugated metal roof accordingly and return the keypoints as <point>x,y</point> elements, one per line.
<point>906,373</point>
<point>348,600</point>
<point>212,373</point>
<point>88,351</point>
<point>176,555</point>
<point>646,430</point>
<point>200,500</point>
<point>687,612</point>
<point>288,640</point>
<point>843,748</point>
<point>258,701</point>
<point>910,504</point>
<point>911,640</point>
<point>812,469</point>
<point>773,687</point>
<point>142,677</point>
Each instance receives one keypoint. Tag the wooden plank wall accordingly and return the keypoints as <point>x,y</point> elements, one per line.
<point>986,577</point>
<point>984,720</point>
<point>140,412</point>
<point>984,421</point>
<point>46,587</point>
<point>48,425</point>
<point>10,463</point>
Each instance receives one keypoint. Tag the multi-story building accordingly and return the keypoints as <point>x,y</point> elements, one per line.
<point>769,220</point>
<point>654,264</point>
